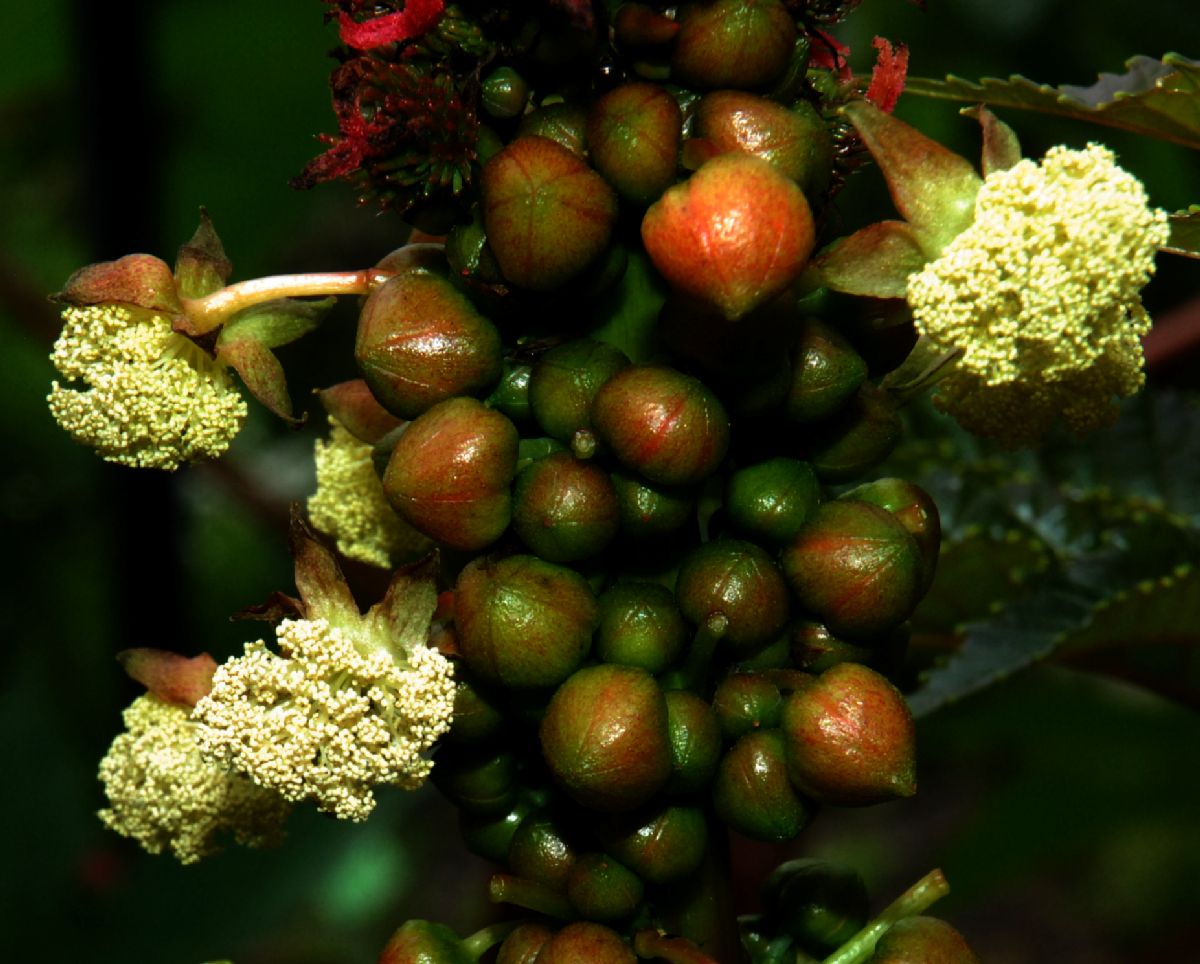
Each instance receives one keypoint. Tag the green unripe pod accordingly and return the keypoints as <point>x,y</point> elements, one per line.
<point>586,943</point>
<point>744,44</point>
<point>524,944</point>
<point>503,93</point>
<point>647,509</point>
<point>641,626</point>
<point>922,940</point>
<point>604,737</point>
<point>752,793</point>
<point>490,836</point>
<point>424,942</point>
<point>826,373</point>
<point>476,715</point>
<point>469,255</point>
<point>523,622</point>
<point>547,214</point>
<point>771,501</point>
<point>633,135</point>
<point>566,379</point>
<point>856,568</point>
<point>917,512</point>
<point>511,395</point>
<point>695,742</point>
<point>420,341</point>
<point>477,780</point>
<point>858,437</point>
<point>745,702</point>
<point>603,889</point>
<point>662,846</point>
<point>662,423</point>
<point>796,141</point>
<point>737,581</point>
<point>564,509</point>
<point>819,904</point>
<point>565,124</point>
<point>540,851</point>
<point>850,738</point>
<point>449,474</point>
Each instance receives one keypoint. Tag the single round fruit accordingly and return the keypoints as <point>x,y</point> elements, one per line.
<point>602,889</point>
<point>661,846</point>
<point>424,942</point>
<point>564,509</point>
<point>733,43</point>
<point>565,380</point>
<point>826,373</point>
<point>586,943</point>
<point>752,793</point>
<point>922,940</point>
<point>745,702</point>
<point>641,626</point>
<point>695,742</point>
<point>633,135</point>
<point>770,501</point>
<point>738,582</point>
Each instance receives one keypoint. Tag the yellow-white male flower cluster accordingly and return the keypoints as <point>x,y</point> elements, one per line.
<point>1040,296</point>
<point>329,718</point>
<point>140,394</point>
<point>349,505</point>
<point>165,795</point>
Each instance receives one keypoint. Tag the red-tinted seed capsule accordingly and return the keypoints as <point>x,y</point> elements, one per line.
<point>565,380</point>
<point>663,845</point>
<point>524,944</point>
<point>586,943</point>
<point>450,472</point>
<point>733,43</point>
<point>917,512</point>
<point>424,942</point>
<point>738,582</point>
<point>564,509</point>
<point>633,133</point>
<point>922,940</point>
<point>547,214</point>
<point>662,423</point>
<point>603,889</point>
<point>752,792</point>
<point>850,739</point>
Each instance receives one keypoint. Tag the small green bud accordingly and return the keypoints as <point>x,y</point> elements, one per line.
<point>850,738</point>
<point>745,702</point>
<point>815,649</point>
<point>523,622</point>
<point>523,945</point>
<point>603,889</point>
<point>563,123</point>
<point>476,715</point>
<point>647,509</point>
<point>540,851</point>
<point>490,836</point>
<point>819,904</point>
<point>503,93</point>
<point>752,793</point>
<point>661,846</point>
<point>695,742</point>
<point>477,780</point>
<point>511,395</point>
<point>825,375</point>
<point>857,438</point>
<point>771,501</point>
<point>604,737</point>
<point>737,581</point>
<point>641,626</point>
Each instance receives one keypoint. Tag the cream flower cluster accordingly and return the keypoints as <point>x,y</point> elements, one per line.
<point>349,505</point>
<point>325,720</point>
<point>146,396</point>
<point>164,795</point>
<point>1040,296</point>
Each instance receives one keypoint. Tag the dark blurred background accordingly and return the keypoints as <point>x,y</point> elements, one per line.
<point>1062,806</point>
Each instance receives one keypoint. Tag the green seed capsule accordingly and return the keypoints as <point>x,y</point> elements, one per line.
<point>477,780</point>
<point>420,341</point>
<point>605,739</point>
<point>565,380</point>
<point>449,474</point>
<point>490,836</point>
<point>565,124</point>
<point>647,509</point>
<point>752,793</point>
<point>733,43</point>
<point>523,622</point>
<point>662,423</point>
<point>745,702</point>
<point>850,739</point>
<point>825,375</point>
<point>819,904</point>
<point>633,135</point>
<point>424,942</point>
<point>476,715</point>
<point>739,582</point>
<point>857,438</point>
<point>641,626</point>
<point>503,93</point>
<point>856,568</point>
<point>547,214</point>
<point>564,510</point>
<point>511,395</point>
<point>661,846</point>
<point>540,851</point>
<point>602,889</point>
<point>695,742</point>
<point>771,501</point>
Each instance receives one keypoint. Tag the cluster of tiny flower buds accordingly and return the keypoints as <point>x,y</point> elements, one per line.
<point>328,719</point>
<point>139,393</point>
<point>166,796</point>
<point>1040,296</point>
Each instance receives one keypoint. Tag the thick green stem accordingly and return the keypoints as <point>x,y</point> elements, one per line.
<point>522,892</point>
<point>919,897</point>
<point>488,937</point>
<point>208,313</point>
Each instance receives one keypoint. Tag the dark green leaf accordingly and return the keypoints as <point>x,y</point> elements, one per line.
<point>1157,98</point>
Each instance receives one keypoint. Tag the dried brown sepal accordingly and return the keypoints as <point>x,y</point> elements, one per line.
<point>173,678</point>
<point>356,410</point>
<point>136,279</point>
